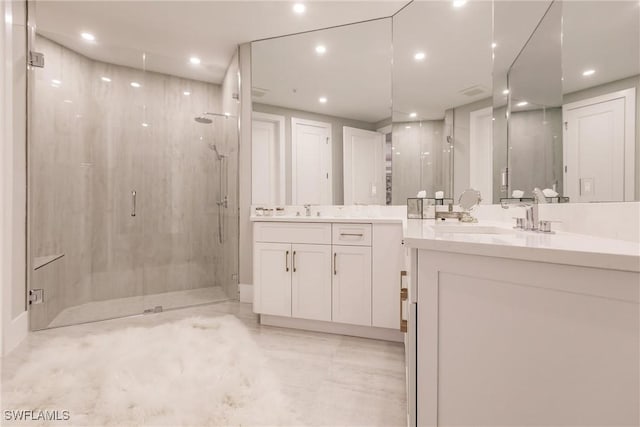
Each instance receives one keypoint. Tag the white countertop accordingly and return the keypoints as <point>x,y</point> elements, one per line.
<point>558,248</point>
<point>328,218</point>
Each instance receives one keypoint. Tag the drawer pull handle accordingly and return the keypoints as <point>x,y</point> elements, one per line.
<point>294,261</point>
<point>335,264</point>
<point>286,261</point>
<point>352,234</point>
<point>404,296</point>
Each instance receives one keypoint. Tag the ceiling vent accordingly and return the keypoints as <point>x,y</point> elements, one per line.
<point>258,92</point>
<point>473,90</point>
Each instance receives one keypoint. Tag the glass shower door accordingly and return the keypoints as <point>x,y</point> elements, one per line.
<point>84,164</point>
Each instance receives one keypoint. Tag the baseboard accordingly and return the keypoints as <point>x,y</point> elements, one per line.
<point>15,332</point>
<point>333,328</point>
<point>246,292</point>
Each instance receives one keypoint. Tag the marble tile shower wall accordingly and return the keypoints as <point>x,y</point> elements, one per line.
<point>93,143</point>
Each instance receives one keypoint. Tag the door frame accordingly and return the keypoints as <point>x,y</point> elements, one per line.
<point>474,116</point>
<point>294,149</point>
<point>629,96</point>
<point>280,122</point>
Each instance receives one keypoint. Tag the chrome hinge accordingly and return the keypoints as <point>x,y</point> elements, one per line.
<point>36,296</point>
<point>566,125</point>
<point>36,59</point>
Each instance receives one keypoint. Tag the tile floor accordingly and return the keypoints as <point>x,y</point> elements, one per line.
<point>331,379</point>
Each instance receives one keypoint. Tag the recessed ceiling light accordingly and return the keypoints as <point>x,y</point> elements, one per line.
<point>88,37</point>
<point>398,153</point>
<point>186,93</point>
<point>522,104</point>
<point>105,79</point>
<point>407,127</point>
<point>320,49</point>
<point>56,82</point>
<point>459,3</point>
<point>194,60</point>
<point>494,45</point>
<point>299,8</point>
<point>419,56</point>
<point>412,115</point>
<point>505,92</point>
<point>68,101</point>
<point>135,84</point>
<point>145,125</point>
<point>322,100</point>
<point>588,73</point>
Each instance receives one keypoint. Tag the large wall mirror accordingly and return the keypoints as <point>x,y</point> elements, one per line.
<point>321,115</point>
<point>573,108</point>
<point>442,100</point>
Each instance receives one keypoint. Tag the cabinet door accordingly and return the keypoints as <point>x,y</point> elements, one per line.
<point>311,282</point>
<point>352,285</point>
<point>272,278</point>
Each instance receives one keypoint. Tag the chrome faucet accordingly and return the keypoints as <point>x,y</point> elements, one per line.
<point>307,209</point>
<point>532,217</point>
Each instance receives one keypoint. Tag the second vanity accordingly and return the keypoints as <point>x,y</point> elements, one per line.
<point>521,328</point>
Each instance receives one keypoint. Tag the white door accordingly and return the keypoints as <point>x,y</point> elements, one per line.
<point>481,153</point>
<point>311,178</point>
<point>272,270</point>
<point>311,282</point>
<point>267,160</point>
<point>352,285</point>
<point>363,166</point>
<point>597,149</point>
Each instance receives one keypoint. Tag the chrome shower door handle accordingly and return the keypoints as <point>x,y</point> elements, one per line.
<point>133,203</point>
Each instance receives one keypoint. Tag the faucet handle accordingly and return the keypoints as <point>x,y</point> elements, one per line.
<point>545,226</point>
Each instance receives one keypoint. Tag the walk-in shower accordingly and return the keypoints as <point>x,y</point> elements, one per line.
<point>112,126</point>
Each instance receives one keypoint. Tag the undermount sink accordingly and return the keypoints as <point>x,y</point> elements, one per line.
<point>470,229</point>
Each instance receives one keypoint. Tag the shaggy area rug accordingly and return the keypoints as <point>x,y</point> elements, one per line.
<point>193,372</point>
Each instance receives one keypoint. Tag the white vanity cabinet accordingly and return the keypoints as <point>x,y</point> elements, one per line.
<point>333,277</point>
<point>295,279</point>
<point>352,274</point>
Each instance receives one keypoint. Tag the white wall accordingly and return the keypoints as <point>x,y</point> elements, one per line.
<point>13,315</point>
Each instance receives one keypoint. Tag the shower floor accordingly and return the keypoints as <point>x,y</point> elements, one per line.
<point>120,307</point>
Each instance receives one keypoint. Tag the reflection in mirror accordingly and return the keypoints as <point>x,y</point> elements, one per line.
<point>442,100</point>
<point>535,109</point>
<point>513,24</point>
<point>328,91</point>
<point>581,134</point>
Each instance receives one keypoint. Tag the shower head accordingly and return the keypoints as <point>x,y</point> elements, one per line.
<point>203,120</point>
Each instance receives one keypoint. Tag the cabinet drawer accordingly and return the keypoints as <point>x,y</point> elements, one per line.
<point>292,232</point>
<point>352,234</point>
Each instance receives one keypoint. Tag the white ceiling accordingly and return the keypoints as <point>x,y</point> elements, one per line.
<point>169,32</point>
<point>354,74</point>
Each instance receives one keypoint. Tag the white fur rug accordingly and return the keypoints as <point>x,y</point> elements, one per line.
<point>193,372</point>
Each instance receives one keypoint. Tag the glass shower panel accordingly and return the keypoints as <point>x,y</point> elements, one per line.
<point>84,248</point>
<point>184,199</point>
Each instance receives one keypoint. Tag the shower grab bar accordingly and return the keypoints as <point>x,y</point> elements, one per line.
<point>133,203</point>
